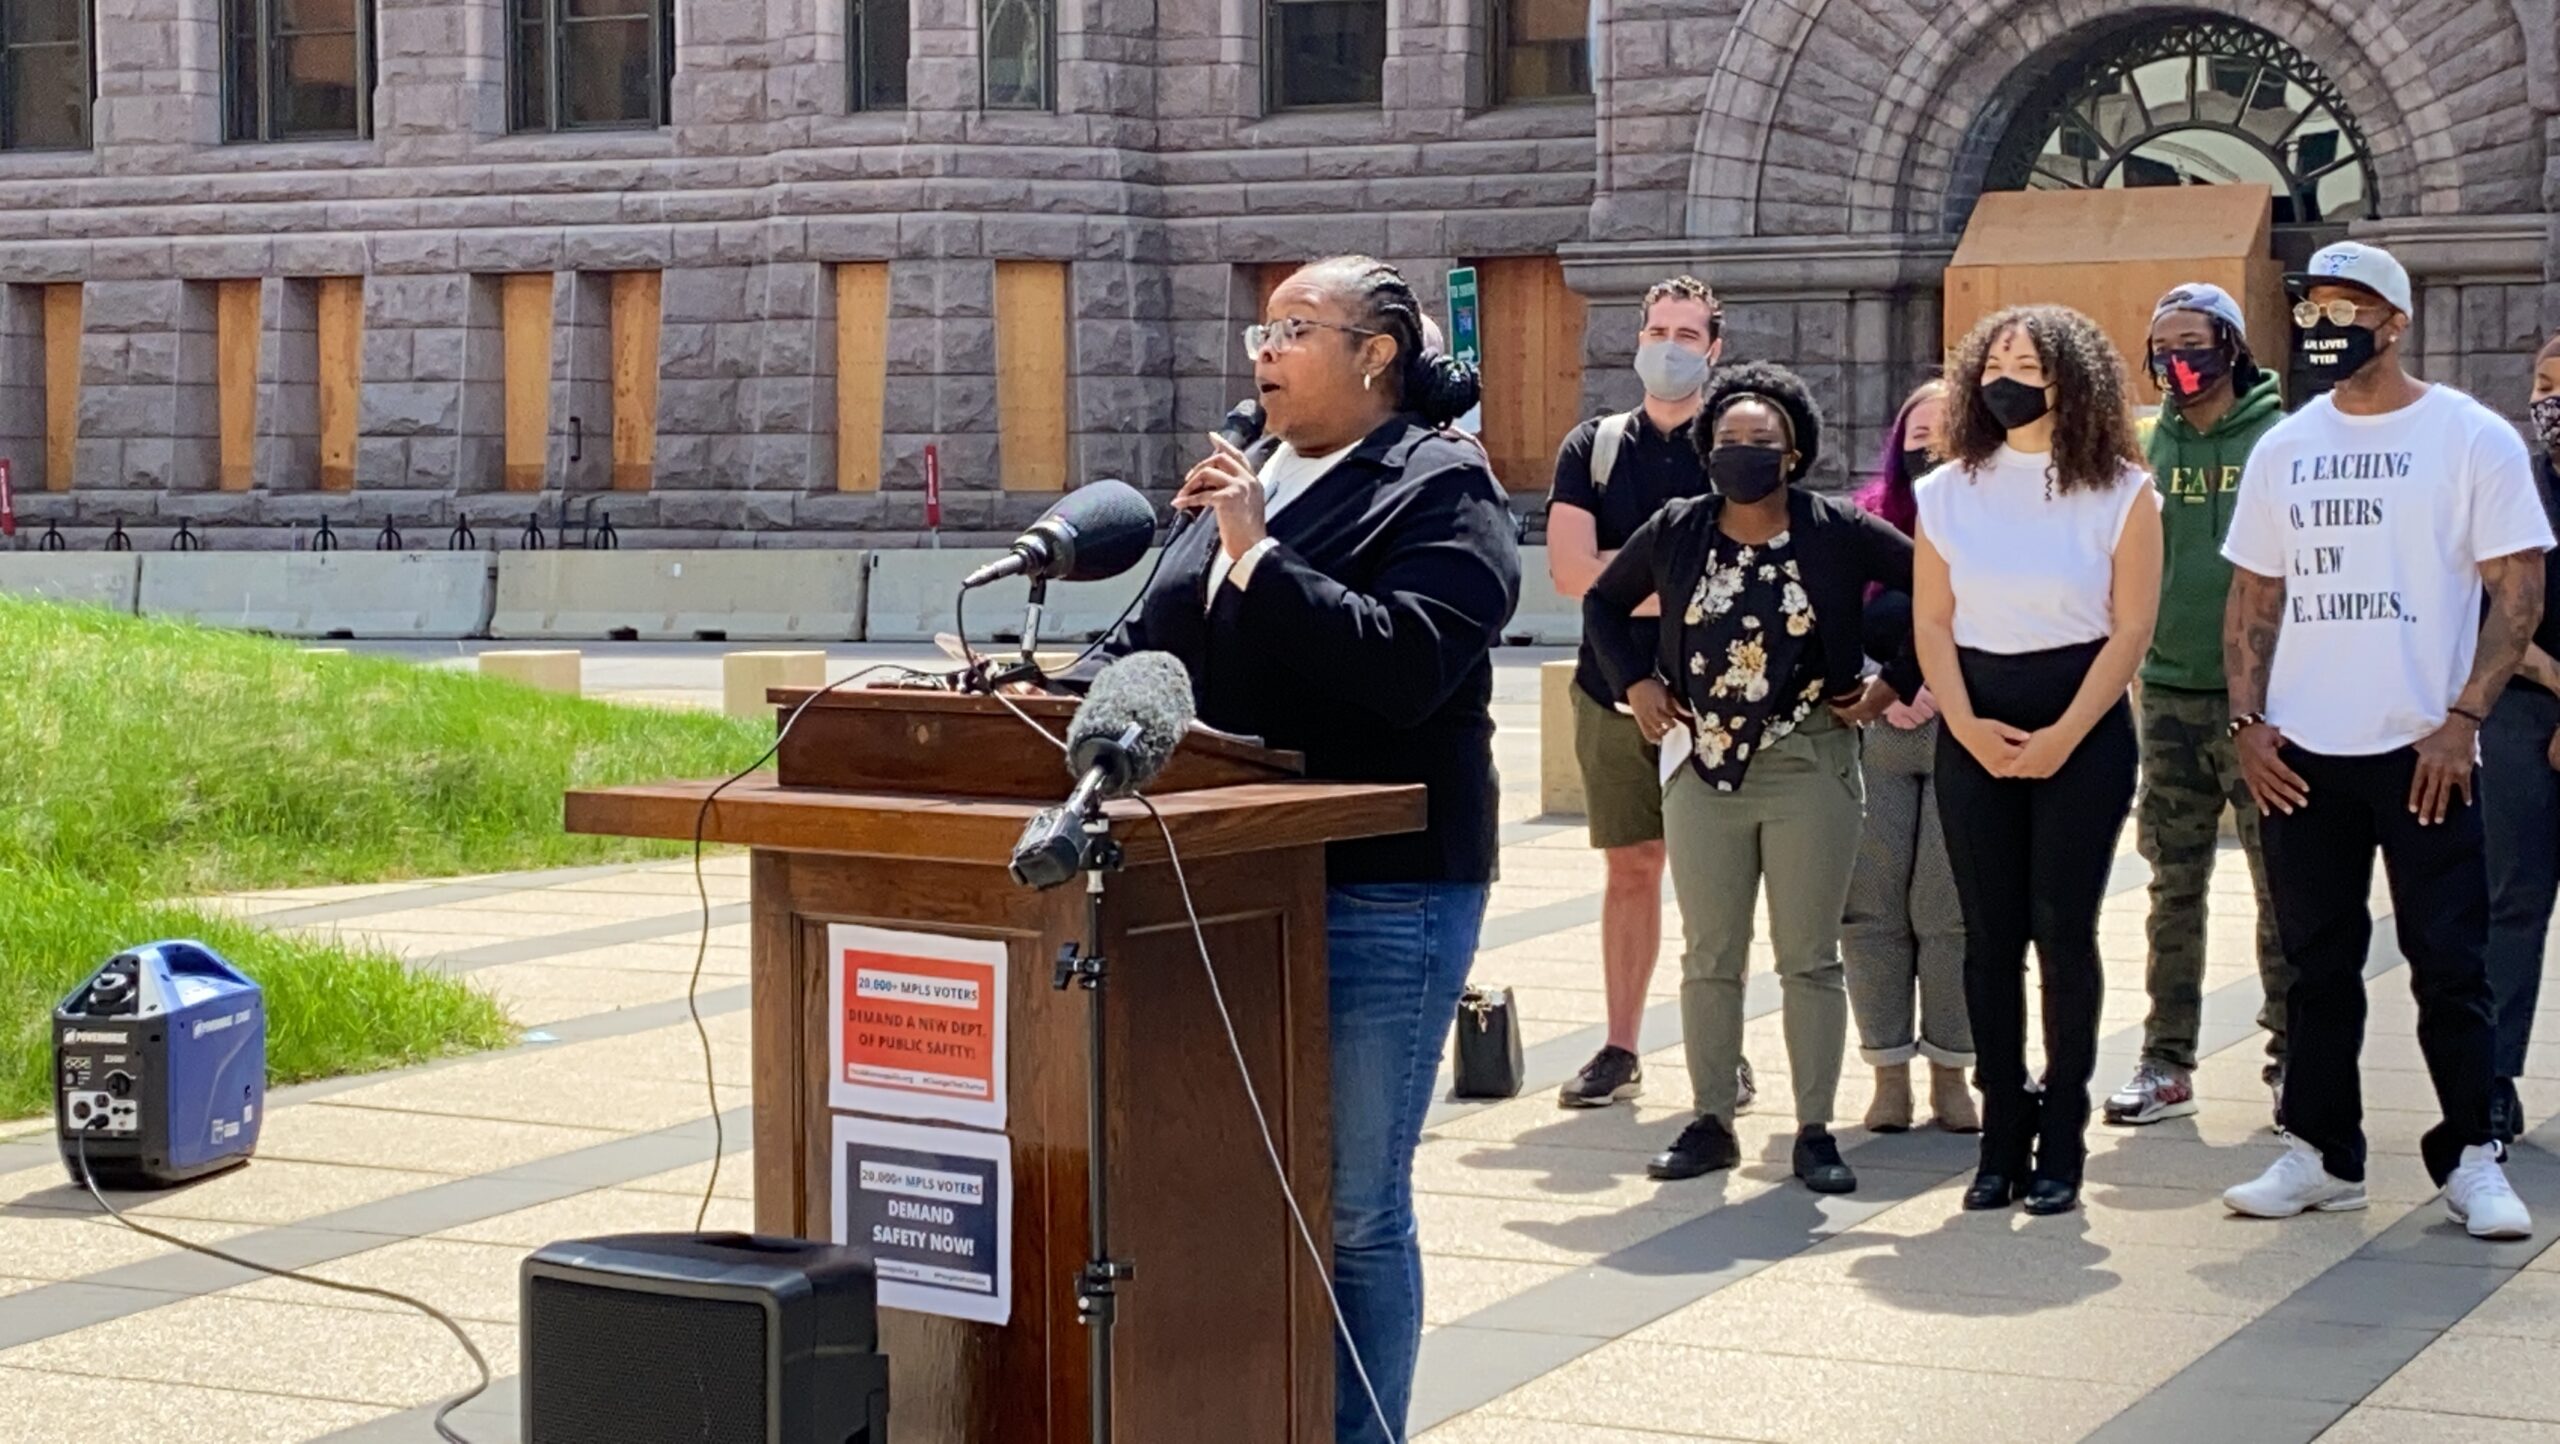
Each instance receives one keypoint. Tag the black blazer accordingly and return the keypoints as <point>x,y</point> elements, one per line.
<point>1365,641</point>
<point>1842,548</point>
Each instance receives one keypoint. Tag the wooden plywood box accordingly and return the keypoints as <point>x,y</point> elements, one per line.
<point>2113,253</point>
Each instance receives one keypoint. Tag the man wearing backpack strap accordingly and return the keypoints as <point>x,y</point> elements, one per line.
<point>1612,474</point>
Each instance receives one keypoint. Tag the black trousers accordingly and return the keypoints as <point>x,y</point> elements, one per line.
<point>2319,872</point>
<point>2520,812</point>
<point>2031,860</point>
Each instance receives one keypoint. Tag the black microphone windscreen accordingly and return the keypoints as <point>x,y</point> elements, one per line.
<point>1111,524</point>
<point>1150,691</point>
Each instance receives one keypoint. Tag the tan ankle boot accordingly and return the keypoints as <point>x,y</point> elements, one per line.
<point>1951,1101</point>
<point>1891,1111</point>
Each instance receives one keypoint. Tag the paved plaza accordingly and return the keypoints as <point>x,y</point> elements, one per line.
<point>1570,1298</point>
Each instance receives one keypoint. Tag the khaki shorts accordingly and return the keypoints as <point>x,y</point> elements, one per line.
<point>1621,775</point>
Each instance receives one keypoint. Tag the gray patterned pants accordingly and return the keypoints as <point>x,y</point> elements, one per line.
<point>1905,929</point>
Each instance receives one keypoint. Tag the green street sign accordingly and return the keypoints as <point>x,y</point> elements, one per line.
<point>1464,334</point>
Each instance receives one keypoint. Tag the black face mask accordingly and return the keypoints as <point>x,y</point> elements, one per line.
<point>1916,462</point>
<point>1745,474</point>
<point>2190,372</point>
<point>2332,353</point>
<point>2014,403</point>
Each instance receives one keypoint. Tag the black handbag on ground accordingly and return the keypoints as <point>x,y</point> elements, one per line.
<point>1489,1063</point>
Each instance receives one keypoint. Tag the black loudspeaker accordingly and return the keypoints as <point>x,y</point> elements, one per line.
<point>720,1338</point>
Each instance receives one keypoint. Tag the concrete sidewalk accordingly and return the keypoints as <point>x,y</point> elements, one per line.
<point>1570,1298</point>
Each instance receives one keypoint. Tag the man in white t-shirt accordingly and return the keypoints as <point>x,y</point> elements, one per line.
<point>2360,668</point>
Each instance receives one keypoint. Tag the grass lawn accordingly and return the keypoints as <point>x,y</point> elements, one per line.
<point>144,760</point>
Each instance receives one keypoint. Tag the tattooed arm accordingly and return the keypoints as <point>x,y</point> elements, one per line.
<point>2540,667</point>
<point>2252,617</point>
<point>2514,584</point>
<point>2446,755</point>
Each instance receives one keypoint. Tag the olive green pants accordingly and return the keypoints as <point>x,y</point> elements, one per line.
<point>1795,821</point>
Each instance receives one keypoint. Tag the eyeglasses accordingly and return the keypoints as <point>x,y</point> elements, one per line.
<point>1285,333</point>
<point>2339,312</point>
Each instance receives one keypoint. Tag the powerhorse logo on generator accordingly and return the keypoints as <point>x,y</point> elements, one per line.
<point>160,1067</point>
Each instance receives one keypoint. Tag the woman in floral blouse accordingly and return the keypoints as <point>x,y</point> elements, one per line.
<point>1756,692</point>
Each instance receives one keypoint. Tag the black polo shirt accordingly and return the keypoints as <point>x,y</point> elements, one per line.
<point>1652,469</point>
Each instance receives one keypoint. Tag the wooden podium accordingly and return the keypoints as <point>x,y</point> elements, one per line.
<point>899,810</point>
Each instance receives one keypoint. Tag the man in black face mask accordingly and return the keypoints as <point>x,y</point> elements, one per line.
<point>2214,406</point>
<point>2369,525</point>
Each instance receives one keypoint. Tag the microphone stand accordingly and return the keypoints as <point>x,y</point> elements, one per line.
<point>1097,1283</point>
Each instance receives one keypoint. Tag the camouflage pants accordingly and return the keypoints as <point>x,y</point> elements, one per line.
<point>2190,771</point>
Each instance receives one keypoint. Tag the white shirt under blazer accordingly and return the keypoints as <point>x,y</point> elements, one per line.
<point>2032,567</point>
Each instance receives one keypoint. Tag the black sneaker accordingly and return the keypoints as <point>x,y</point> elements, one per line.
<point>1612,1076</point>
<point>1745,1087</point>
<point>1818,1162</point>
<point>1705,1146</point>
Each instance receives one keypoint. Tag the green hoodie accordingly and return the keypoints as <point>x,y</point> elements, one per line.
<point>2199,478</point>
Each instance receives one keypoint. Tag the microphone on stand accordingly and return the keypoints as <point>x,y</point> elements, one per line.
<point>1098,530</point>
<point>1131,722</point>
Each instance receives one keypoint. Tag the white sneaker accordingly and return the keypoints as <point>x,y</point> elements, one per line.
<point>2480,1198</point>
<point>2296,1182</point>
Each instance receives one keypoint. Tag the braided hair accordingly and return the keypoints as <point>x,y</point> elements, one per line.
<point>1431,384</point>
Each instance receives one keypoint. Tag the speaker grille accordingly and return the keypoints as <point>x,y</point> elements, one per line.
<point>618,1366</point>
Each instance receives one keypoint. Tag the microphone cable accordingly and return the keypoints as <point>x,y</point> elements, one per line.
<point>1253,1096</point>
<point>479,1360</point>
<point>702,893</point>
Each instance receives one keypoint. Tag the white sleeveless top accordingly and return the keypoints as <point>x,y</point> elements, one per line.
<point>2030,571</point>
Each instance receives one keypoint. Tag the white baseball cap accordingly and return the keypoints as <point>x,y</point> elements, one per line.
<point>2353,263</point>
<point>2207,299</point>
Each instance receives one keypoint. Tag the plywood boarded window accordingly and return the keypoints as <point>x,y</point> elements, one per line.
<point>61,384</point>
<point>635,378</point>
<point>339,318</point>
<point>1532,340</point>
<point>237,305</point>
<point>862,371</point>
<point>524,305</point>
<point>1033,374</point>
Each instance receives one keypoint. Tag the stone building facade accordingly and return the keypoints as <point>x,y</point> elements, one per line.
<point>1814,160</point>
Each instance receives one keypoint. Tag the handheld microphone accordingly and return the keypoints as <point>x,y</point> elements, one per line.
<point>1095,531</point>
<point>1241,429</point>
<point>1131,722</point>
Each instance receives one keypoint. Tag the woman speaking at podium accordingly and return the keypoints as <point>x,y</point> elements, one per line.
<point>1336,591</point>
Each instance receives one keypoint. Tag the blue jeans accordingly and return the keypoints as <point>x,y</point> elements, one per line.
<point>1398,955</point>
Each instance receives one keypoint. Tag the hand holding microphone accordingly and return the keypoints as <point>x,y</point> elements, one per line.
<point>1224,484</point>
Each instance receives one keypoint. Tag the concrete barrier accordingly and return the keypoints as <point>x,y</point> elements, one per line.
<point>112,580</point>
<point>1559,775</point>
<point>551,671</point>
<point>912,595</point>
<point>1546,617</point>
<point>682,596</point>
<point>744,676</point>
<point>324,594</point>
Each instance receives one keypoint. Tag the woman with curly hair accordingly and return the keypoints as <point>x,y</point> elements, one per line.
<point>1754,689</point>
<point>1902,943</point>
<point>2038,581</point>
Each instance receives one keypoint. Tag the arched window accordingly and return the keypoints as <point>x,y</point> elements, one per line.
<point>2193,101</point>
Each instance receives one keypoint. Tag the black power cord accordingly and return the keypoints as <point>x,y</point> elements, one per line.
<point>702,892</point>
<point>479,1361</point>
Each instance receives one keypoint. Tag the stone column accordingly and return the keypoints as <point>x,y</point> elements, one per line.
<point>440,78</point>
<point>159,82</point>
<point>22,420</point>
<point>149,420</point>
<point>287,452</point>
<point>717,100</point>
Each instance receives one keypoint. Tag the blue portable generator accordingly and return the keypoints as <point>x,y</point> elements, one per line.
<point>160,1067</point>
